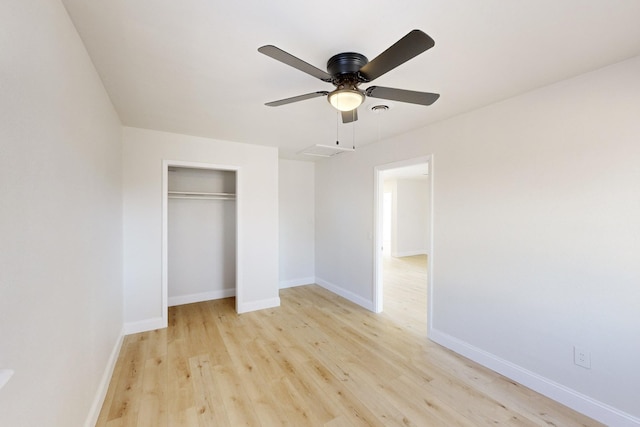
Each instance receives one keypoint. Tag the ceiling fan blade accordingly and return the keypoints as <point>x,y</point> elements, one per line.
<point>401,95</point>
<point>410,46</point>
<point>350,116</point>
<point>296,98</point>
<point>286,58</point>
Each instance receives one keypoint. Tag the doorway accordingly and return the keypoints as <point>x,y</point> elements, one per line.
<point>403,235</point>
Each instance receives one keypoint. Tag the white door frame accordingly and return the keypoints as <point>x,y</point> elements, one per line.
<point>378,231</point>
<point>165,206</point>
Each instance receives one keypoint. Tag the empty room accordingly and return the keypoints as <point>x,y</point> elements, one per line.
<point>292,213</point>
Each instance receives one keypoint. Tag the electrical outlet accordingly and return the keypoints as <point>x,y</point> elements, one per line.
<point>582,357</point>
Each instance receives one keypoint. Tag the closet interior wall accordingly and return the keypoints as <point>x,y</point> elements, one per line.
<point>201,225</point>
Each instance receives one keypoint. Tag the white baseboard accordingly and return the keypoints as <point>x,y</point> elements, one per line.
<point>258,305</point>
<point>98,400</point>
<point>579,402</point>
<point>409,253</point>
<point>202,296</point>
<point>356,299</point>
<point>297,282</point>
<point>144,325</point>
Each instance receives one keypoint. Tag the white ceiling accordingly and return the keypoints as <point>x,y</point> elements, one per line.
<point>192,66</point>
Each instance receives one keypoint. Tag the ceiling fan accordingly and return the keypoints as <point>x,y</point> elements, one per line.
<point>347,70</point>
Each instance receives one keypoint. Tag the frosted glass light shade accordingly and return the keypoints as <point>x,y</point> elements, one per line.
<point>346,99</point>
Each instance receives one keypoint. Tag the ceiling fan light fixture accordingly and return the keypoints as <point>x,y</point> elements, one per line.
<point>346,99</point>
<point>347,70</point>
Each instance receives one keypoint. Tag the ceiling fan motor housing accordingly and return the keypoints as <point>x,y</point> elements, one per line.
<point>346,66</point>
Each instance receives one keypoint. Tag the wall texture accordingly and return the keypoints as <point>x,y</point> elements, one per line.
<point>60,220</point>
<point>257,203</point>
<point>536,237</point>
<point>411,206</point>
<point>296,216</point>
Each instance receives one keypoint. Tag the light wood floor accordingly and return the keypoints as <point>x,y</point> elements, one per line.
<point>405,293</point>
<point>318,360</point>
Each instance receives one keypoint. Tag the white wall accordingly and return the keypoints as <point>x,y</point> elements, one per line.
<point>390,217</point>
<point>536,250</point>
<point>60,221</point>
<point>411,208</point>
<point>297,217</point>
<point>144,151</point>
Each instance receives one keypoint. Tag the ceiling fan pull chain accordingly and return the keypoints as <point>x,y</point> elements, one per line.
<point>337,127</point>
<point>354,130</point>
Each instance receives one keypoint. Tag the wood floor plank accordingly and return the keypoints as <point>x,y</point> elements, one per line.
<point>303,395</point>
<point>238,406</point>
<point>317,360</point>
<point>153,403</point>
<point>209,404</point>
<point>128,386</point>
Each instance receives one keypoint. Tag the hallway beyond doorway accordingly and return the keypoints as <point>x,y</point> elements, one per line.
<point>405,292</point>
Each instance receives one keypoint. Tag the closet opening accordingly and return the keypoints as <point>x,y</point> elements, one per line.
<point>200,233</point>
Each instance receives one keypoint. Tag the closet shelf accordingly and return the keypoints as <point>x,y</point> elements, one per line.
<point>200,195</point>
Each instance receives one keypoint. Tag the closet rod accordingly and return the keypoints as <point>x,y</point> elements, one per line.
<point>200,195</point>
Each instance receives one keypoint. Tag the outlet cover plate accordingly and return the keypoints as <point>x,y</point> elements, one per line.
<point>582,357</point>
